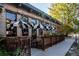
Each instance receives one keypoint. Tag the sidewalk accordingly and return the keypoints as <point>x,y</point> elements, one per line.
<point>59,49</point>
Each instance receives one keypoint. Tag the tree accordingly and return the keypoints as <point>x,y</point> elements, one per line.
<point>65,13</point>
<point>76,29</point>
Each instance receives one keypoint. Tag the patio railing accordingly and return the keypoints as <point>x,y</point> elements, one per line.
<point>47,41</point>
<point>24,43</point>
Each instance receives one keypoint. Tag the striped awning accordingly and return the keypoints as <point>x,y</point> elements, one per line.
<point>42,26</point>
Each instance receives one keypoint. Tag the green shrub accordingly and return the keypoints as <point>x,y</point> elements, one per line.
<point>17,52</point>
<point>4,52</point>
<point>0,10</point>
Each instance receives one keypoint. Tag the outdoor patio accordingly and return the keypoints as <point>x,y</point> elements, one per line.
<point>59,49</point>
<point>31,31</point>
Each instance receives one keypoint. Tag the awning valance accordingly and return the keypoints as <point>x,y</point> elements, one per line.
<point>42,26</point>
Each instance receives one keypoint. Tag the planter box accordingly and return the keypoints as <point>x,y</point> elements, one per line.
<point>54,40</point>
<point>12,43</point>
<point>48,41</point>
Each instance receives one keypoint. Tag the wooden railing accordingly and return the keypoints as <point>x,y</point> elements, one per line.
<point>44,42</point>
<point>24,43</point>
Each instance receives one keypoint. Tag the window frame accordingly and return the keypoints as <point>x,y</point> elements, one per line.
<point>12,13</point>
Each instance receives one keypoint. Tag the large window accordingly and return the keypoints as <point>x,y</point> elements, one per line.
<point>10,19</point>
<point>41,28</point>
<point>11,16</point>
<point>34,34</point>
<point>24,26</point>
<point>25,30</point>
<point>33,22</point>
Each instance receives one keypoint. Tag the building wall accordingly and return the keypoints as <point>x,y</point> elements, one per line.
<point>19,31</point>
<point>18,11</point>
<point>24,12</point>
<point>2,23</point>
<point>59,28</point>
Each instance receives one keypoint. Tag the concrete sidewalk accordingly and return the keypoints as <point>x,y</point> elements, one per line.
<point>59,49</point>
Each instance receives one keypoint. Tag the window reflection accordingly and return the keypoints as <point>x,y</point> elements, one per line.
<point>24,26</point>
<point>34,30</point>
<point>41,28</point>
<point>10,19</point>
<point>11,16</point>
<point>33,22</point>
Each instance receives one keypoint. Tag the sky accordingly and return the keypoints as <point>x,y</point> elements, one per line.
<point>42,6</point>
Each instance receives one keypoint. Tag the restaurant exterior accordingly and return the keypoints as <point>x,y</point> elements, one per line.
<point>24,26</point>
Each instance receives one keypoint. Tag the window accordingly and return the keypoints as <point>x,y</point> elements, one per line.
<point>33,22</point>
<point>34,33</point>
<point>24,26</point>
<point>53,28</point>
<point>45,26</point>
<point>10,19</point>
<point>40,31</point>
<point>11,16</point>
<point>41,28</point>
<point>25,30</point>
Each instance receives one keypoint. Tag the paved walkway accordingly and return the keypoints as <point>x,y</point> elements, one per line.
<point>74,50</point>
<point>59,49</point>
